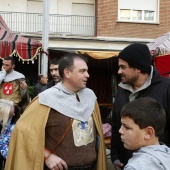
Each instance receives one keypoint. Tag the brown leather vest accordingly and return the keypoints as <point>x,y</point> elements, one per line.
<point>74,156</point>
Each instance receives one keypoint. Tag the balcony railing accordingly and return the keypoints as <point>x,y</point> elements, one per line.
<point>58,24</point>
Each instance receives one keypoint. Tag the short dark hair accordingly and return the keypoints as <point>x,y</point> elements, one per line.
<point>145,112</point>
<point>40,76</point>
<point>67,61</point>
<point>54,61</point>
<point>10,58</point>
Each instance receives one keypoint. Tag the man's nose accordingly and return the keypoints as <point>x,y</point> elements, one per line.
<point>87,75</point>
<point>120,130</point>
<point>53,72</point>
<point>119,71</point>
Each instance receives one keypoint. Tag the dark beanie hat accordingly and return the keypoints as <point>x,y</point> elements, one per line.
<point>138,56</point>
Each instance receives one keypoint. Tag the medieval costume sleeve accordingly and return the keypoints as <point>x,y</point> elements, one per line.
<point>101,159</point>
<point>26,150</point>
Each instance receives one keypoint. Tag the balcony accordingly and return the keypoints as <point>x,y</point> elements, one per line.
<point>31,23</point>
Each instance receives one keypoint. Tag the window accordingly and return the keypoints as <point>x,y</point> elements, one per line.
<point>149,16</point>
<point>138,11</point>
<point>34,6</point>
<point>136,15</point>
<point>125,14</point>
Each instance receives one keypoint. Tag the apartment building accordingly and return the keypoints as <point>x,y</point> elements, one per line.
<point>145,19</point>
<point>98,28</point>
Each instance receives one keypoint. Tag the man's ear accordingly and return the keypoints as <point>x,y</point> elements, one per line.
<point>13,66</point>
<point>149,132</point>
<point>138,70</point>
<point>67,73</point>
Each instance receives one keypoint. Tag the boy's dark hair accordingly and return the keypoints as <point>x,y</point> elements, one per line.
<point>67,61</point>
<point>146,112</point>
<point>10,58</point>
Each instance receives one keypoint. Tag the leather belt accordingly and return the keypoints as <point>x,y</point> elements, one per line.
<point>88,167</point>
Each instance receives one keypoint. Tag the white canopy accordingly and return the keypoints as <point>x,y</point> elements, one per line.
<point>161,45</point>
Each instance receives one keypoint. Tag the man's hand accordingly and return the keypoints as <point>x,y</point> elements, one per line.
<point>119,166</point>
<point>54,162</point>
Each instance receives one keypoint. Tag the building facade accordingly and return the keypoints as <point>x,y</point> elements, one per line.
<point>146,19</point>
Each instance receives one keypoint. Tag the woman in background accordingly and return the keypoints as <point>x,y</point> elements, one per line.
<point>7,123</point>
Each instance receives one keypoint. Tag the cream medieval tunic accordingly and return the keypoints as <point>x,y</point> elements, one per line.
<point>26,150</point>
<point>9,86</point>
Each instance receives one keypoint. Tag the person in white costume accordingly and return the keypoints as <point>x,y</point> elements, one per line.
<point>12,84</point>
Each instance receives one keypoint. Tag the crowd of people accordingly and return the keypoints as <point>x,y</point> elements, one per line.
<point>61,129</point>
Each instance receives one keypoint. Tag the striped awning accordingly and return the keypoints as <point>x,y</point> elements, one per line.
<point>100,54</point>
<point>12,44</point>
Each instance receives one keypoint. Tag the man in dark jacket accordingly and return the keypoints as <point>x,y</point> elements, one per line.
<point>53,66</point>
<point>42,81</point>
<point>138,79</point>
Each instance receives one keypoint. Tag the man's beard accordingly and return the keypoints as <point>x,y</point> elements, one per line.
<point>130,81</point>
<point>57,79</point>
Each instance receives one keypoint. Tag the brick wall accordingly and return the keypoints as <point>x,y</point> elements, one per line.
<point>107,25</point>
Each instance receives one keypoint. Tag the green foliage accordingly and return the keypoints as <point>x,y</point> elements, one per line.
<point>31,91</point>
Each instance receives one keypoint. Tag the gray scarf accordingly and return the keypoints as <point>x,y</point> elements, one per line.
<point>64,101</point>
<point>11,76</point>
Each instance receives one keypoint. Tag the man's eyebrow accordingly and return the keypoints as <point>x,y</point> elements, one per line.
<point>53,68</point>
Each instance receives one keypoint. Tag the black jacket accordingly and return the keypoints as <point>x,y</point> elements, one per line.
<point>48,85</point>
<point>37,88</point>
<point>159,90</point>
